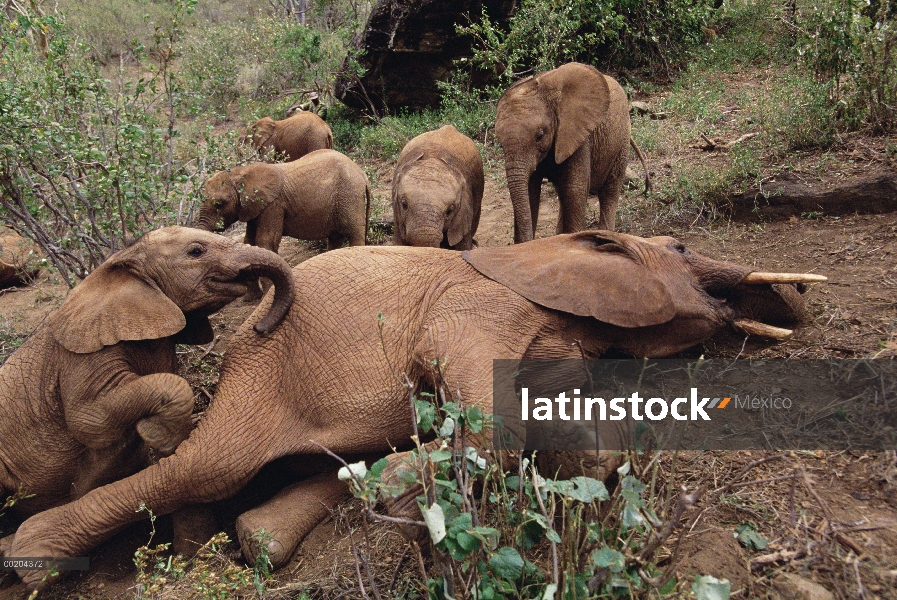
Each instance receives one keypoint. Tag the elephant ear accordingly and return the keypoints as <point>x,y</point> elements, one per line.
<point>261,132</point>
<point>590,274</point>
<point>258,185</point>
<point>113,305</point>
<point>581,95</point>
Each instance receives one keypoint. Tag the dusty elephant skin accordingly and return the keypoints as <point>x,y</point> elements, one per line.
<point>437,191</point>
<point>294,136</point>
<point>333,362</point>
<point>570,125</point>
<point>323,195</point>
<point>95,387</point>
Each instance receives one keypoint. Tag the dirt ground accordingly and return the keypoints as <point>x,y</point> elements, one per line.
<point>830,518</point>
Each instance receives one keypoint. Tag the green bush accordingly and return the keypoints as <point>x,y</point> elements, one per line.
<point>623,33</point>
<point>85,166</point>
<point>851,46</point>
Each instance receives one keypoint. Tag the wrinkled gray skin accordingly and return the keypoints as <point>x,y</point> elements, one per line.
<point>437,191</point>
<point>361,315</point>
<point>96,386</point>
<point>293,137</point>
<point>571,126</point>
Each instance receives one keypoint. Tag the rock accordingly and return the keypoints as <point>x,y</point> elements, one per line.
<point>788,196</point>
<point>17,256</point>
<point>408,46</point>
<point>796,587</point>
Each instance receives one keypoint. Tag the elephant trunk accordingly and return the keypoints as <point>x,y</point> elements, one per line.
<point>207,219</point>
<point>518,185</point>
<point>264,263</point>
<point>425,228</point>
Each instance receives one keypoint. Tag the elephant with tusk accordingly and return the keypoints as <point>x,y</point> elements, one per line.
<point>94,390</point>
<point>328,375</point>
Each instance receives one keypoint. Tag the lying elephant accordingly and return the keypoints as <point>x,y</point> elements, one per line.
<point>295,136</point>
<point>323,195</point>
<point>437,190</point>
<point>95,387</point>
<point>363,315</point>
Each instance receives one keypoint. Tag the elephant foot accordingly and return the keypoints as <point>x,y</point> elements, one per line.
<point>399,499</point>
<point>39,536</point>
<point>193,526</point>
<point>282,522</point>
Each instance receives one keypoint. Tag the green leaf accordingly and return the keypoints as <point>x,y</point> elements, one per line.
<point>440,455</point>
<point>377,468</point>
<point>584,489</point>
<point>426,414</point>
<point>506,563</point>
<point>473,417</point>
<point>447,428</point>
<point>750,538</point>
<point>708,587</point>
<point>467,541</point>
<point>434,517</point>
<point>608,558</point>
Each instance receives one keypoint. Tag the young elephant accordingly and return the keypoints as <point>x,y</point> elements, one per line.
<point>323,195</point>
<point>572,126</point>
<point>95,386</point>
<point>294,136</point>
<point>437,191</point>
<point>363,315</point>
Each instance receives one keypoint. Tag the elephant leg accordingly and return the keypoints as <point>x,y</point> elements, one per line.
<point>193,526</point>
<point>159,405</point>
<point>609,197</point>
<point>251,238</point>
<point>571,181</point>
<point>288,517</point>
<point>210,465</point>
<point>268,232</point>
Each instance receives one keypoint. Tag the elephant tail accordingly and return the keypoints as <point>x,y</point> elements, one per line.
<point>367,212</point>
<point>641,157</point>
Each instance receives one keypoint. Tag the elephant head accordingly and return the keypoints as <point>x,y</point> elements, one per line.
<point>431,202</point>
<point>167,283</point>
<point>675,297</point>
<point>238,195</point>
<point>547,117</point>
<point>260,133</point>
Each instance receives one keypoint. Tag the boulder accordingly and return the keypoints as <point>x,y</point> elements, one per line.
<point>407,47</point>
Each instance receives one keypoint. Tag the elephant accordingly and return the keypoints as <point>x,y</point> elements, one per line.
<point>365,319</point>
<point>569,125</point>
<point>322,195</point>
<point>295,136</point>
<point>94,391</point>
<point>437,191</point>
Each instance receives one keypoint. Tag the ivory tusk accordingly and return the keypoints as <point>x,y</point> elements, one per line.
<point>758,277</point>
<point>757,328</point>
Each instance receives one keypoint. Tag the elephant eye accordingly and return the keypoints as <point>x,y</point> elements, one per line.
<point>450,210</point>
<point>196,251</point>
<point>680,248</point>
<point>404,204</point>
<point>540,134</point>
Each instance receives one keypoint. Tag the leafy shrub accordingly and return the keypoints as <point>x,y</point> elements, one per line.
<point>85,166</point>
<point>625,33</point>
<point>851,46</point>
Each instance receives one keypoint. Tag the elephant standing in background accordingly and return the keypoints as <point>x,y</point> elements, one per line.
<point>295,136</point>
<point>437,191</point>
<point>323,195</point>
<point>570,125</point>
<point>94,388</point>
<point>362,317</point>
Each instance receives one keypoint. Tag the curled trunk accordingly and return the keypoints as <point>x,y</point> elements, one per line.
<point>264,263</point>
